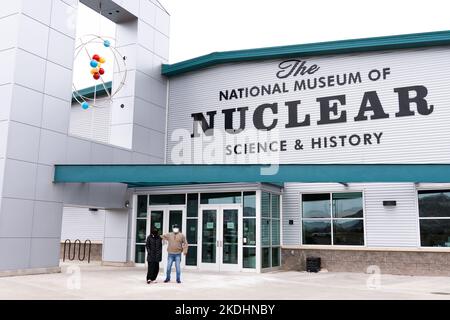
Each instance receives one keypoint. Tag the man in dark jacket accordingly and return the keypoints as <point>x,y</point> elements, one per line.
<point>154,254</point>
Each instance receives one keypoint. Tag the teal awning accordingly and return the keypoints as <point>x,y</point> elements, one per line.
<point>151,174</point>
<point>403,41</point>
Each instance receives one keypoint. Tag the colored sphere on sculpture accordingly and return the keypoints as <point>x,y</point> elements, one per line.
<point>94,63</point>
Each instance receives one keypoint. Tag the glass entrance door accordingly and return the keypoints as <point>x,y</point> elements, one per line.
<point>209,236</point>
<point>221,237</point>
<point>163,218</point>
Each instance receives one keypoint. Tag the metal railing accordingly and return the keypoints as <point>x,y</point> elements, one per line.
<point>70,256</point>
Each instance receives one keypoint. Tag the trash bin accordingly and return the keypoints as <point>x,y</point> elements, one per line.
<point>313,264</point>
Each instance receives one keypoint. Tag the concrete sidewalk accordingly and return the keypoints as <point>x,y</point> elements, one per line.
<point>97,282</point>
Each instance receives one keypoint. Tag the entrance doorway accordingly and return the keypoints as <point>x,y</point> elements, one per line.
<point>220,229</point>
<point>163,218</point>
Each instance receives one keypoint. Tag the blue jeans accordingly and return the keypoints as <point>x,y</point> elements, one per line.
<point>173,257</point>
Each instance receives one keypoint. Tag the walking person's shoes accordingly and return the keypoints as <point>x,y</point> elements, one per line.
<point>178,281</point>
<point>149,281</point>
<point>167,280</point>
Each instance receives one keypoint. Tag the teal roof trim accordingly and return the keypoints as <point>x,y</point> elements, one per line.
<point>142,175</point>
<point>404,41</point>
<point>89,92</point>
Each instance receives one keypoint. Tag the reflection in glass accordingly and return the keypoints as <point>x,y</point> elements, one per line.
<point>275,206</point>
<point>175,218</point>
<point>275,232</point>
<point>249,234</point>
<point>250,204</point>
<point>230,236</point>
<point>191,257</point>
<point>265,232</point>
<point>162,199</point>
<point>192,205</point>
<point>276,257</point>
<point>141,225</point>
<point>191,233</point>
<point>142,206</point>
<point>348,232</point>
<point>220,198</point>
<point>316,232</point>
<point>140,254</point>
<point>265,257</point>
<point>435,232</point>
<point>316,205</point>
<point>434,203</point>
<point>249,257</point>
<point>347,205</point>
<point>157,220</point>
<point>209,236</point>
<point>265,204</point>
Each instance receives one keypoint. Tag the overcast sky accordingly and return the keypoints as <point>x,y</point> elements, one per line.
<point>202,26</point>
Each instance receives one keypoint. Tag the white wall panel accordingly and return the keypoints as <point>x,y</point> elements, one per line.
<point>392,226</point>
<point>80,223</point>
<point>406,139</point>
<point>93,124</point>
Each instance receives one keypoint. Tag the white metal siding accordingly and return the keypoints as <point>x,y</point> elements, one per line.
<point>391,226</point>
<point>384,226</point>
<point>80,223</point>
<point>405,139</point>
<point>93,123</point>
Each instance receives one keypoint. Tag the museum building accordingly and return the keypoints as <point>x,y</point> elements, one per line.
<point>263,157</point>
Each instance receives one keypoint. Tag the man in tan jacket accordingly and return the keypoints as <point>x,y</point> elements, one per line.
<point>177,244</point>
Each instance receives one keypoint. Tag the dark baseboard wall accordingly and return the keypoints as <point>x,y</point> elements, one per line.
<point>96,252</point>
<point>388,262</point>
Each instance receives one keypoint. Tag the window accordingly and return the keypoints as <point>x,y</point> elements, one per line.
<point>249,238</point>
<point>333,219</point>
<point>192,205</point>
<point>249,260</point>
<point>192,228</point>
<point>191,234</point>
<point>220,198</point>
<point>170,199</point>
<point>434,218</point>
<point>141,228</point>
<point>176,218</point>
<point>270,230</point>
<point>250,204</point>
<point>142,206</point>
<point>191,257</point>
<point>249,230</point>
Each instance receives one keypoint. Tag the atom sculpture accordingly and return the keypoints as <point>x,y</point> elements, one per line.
<point>98,66</point>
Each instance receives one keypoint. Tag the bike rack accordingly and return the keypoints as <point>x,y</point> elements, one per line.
<point>72,257</point>
<point>64,252</point>
<point>84,251</point>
